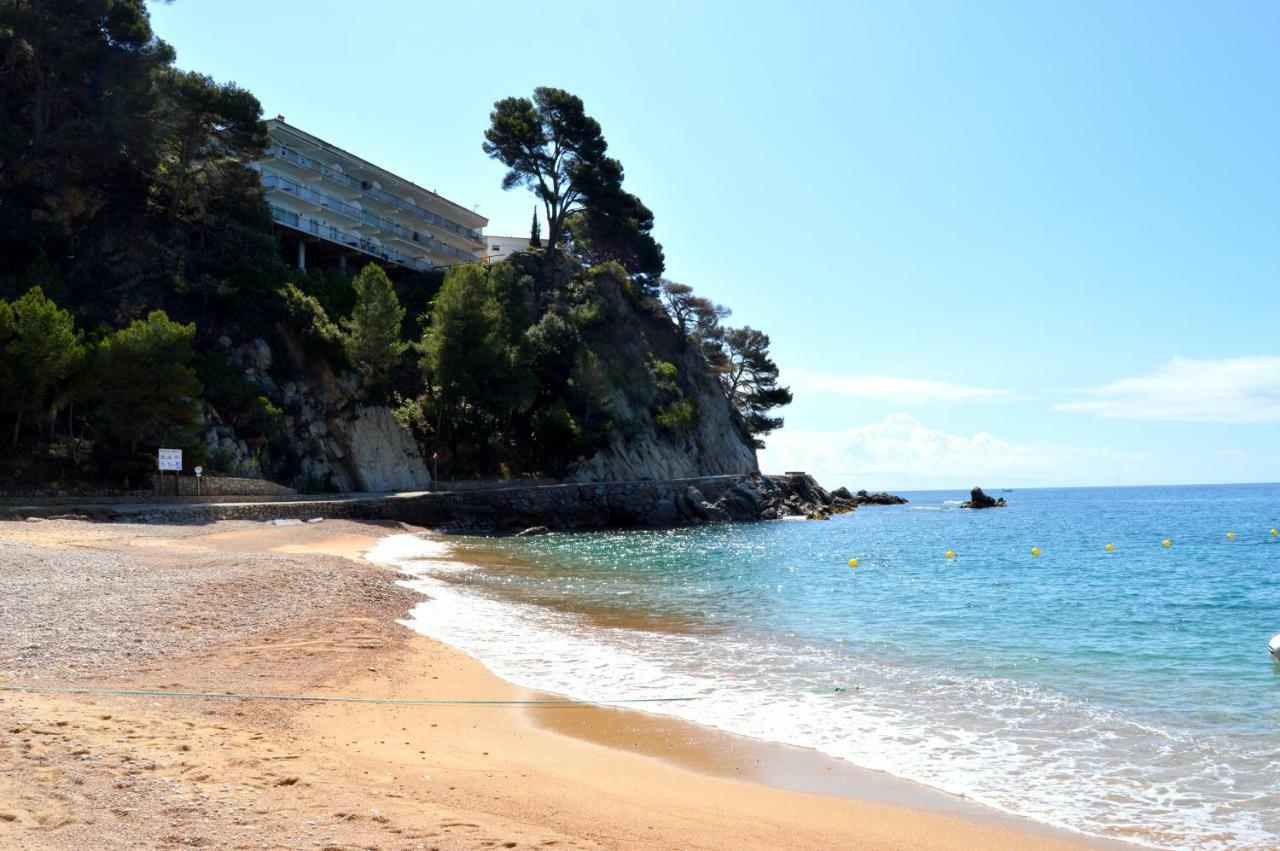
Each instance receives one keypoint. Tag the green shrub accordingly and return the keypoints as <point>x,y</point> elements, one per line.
<point>306,314</point>
<point>665,373</point>
<point>555,430</point>
<point>680,416</point>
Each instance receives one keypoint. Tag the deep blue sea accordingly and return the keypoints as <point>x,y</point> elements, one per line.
<point>1126,694</point>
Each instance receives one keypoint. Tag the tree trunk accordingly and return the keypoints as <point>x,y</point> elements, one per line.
<point>17,428</point>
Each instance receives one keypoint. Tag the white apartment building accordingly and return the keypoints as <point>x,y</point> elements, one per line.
<point>502,247</point>
<point>336,207</point>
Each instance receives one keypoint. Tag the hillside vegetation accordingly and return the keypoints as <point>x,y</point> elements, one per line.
<point>143,300</point>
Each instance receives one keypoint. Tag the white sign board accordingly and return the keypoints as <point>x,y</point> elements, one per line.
<point>170,459</point>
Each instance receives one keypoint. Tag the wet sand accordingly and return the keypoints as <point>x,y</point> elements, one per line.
<point>252,608</point>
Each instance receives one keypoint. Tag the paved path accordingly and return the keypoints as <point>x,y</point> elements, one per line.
<point>193,508</point>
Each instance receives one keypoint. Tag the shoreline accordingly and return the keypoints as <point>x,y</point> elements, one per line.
<point>718,753</point>
<point>348,774</point>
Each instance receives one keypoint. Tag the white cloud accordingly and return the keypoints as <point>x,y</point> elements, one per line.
<point>1234,390</point>
<point>889,388</point>
<point>900,451</point>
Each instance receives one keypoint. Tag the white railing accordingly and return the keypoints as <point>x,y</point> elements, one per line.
<point>280,183</point>
<point>345,179</point>
<point>347,239</point>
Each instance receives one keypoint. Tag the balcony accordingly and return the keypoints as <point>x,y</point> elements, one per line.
<point>354,241</point>
<point>280,183</point>
<point>385,197</point>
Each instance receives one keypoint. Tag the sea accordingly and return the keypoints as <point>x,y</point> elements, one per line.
<point>1124,693</point>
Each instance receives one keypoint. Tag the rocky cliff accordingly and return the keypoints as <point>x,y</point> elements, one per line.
<point>330,437</point>
<point>656,370</point>
<point>649,408</point>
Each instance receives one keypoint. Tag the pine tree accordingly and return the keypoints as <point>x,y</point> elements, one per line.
<point>145,384</point>
<point>372,334</point>
<point>42,350</point>
<point>750,378</point>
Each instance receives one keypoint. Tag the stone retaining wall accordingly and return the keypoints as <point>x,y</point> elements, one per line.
<point>500,509</point>
<point>564,506</point>
<point>491,484</point>
<point>220,486</point>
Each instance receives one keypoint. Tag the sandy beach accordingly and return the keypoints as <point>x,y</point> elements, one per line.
<point>252,608</point>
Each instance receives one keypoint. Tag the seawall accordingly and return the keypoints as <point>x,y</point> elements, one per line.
<point>557,506</point>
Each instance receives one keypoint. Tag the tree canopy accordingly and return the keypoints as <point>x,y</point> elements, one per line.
<point>372,335</point>
<point>751,380</point>
<point>124,179</point>
<point>473,351</point>
<point>76,76</point>
<point>551,146</point>
<point>146,388</point>
<point>41,350</point>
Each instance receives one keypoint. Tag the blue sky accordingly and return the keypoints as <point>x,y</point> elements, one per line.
<point>1013,244</point>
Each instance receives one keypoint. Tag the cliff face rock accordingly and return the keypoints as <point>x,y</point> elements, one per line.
<point>636,340</point>
<point>332,438</point>
<point>704,453</point>
<point>227,453</point>
<point>370,451</point>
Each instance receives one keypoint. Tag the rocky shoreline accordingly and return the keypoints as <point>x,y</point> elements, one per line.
<point>716,499</point>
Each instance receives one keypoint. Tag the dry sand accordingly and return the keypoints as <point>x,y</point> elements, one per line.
<point>252,608</point>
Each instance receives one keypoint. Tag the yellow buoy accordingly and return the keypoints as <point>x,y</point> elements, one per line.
<point>1231,536</point>
<point>853,562</point>
<point>1111,548</point>
<point>950,554</point>
<point>1275,532</point>
<point>1166,543</point>
<point>1035,551</point>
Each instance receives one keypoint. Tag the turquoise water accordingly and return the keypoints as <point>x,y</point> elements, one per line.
<point>1126,694</point>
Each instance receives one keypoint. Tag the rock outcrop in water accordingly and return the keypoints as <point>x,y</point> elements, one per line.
<point>978,499</point>
<point>864,498</point>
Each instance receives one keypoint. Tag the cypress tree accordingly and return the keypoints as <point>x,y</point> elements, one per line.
<point>535,235</point>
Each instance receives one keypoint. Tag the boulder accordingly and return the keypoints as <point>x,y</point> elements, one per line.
<point>690,504</point>
<point>663,511</point>
<point>742,502</point>
<point>259,354</point>
<point>714,513</point>
<point>978,499</point>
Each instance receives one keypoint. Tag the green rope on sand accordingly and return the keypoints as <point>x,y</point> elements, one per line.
<point>411,701</point>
